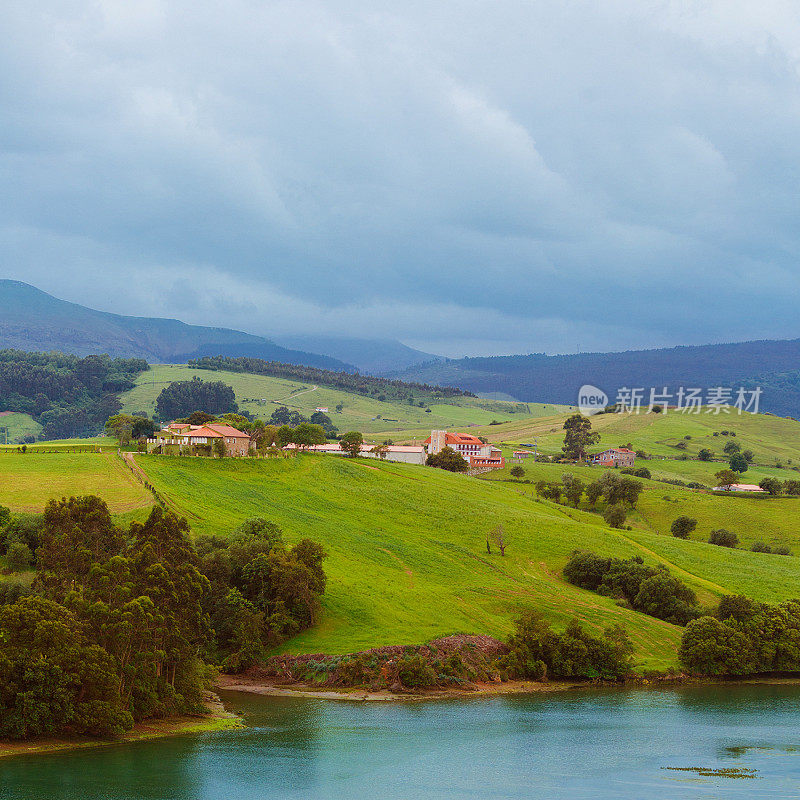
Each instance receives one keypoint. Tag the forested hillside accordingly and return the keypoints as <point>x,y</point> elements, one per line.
<point>773,365</point>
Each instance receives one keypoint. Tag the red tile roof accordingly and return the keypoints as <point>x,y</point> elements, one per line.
<point>227,430</point>
<point>458,438</point>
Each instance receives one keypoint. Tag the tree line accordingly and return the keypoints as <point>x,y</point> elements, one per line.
<point>121,625</point>
<point>68,395</point>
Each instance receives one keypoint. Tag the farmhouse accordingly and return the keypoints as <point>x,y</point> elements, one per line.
<point>469,447</point>
<point>406,454</point>
<point>180,437</point>
<point>739,487</point>
<point>614,457</point>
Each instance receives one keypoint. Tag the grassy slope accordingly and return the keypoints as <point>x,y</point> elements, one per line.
<point>18,425</point>
<point>407,555</point>
<point>359,413</point>
<point>28,481</point>
<point>770,438</point>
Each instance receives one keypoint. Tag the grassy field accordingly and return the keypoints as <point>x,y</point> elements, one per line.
<point>28,481</point>
<point>261,395</point>
<point>770,438</point>
<point>407,549</point>
<point>13,426</point>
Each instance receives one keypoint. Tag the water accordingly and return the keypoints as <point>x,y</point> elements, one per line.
<point>593,745</point>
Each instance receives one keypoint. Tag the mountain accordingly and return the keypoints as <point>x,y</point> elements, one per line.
<point>34,320</point>
<point>772,364</point>
<point>372,356</point>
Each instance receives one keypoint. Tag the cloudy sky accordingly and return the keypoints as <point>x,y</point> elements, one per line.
<point>468,177</point>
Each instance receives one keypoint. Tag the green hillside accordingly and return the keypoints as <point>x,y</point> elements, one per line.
<point>14,426</point>
<point>261,395</point>
<point>407,555</point>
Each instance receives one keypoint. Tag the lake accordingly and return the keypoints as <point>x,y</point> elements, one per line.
<point>621,744</point>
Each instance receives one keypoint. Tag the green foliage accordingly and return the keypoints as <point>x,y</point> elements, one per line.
<point>120,426</point>
<point>517,472</point>
<point>415,672</point>
<point>578,437</point>
<point>705,454</point>
<point>181,398</point>
<point>573,488</point>
<point>535,651</point>
<point>726,477</point>
<point>738,463</point>
<point>744,638</point>
<point>723,538</point>
<point>306,435</point>
<point>615,515</point>
<point>651,590</point>
<point>218,448</point>
<point>772,486</point>
<point>682,526</point>
<point>351,443</point>
<point>447,459</point>
<point>19,557</point>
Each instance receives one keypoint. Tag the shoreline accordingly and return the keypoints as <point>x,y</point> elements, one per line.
<point>217,719</point>
<point>238,683</point>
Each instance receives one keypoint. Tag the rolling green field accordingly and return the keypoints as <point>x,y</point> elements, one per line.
<point>407,556</point>
<point>28,481</point>
<point>261,395</point>
<point>13,426</point>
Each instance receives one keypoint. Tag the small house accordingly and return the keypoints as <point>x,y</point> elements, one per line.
<point>614,457</point>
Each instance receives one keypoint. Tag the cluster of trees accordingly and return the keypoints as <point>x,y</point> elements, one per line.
<point>776,487</point>
<point>380,388</point>
<point>283,416</point>
<point>683,526</point>
<point>448,459</point>
<point>69,396</point>
<point>537,652</point>
<point>117,625</point>
<point>651,590</point>
<point>181,398</point>
<point>619,493</point>
<point>261,592</point>
<point>743,637</point>
<point>127,427</point>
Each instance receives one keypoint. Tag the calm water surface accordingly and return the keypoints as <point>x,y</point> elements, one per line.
<point>598,745</point>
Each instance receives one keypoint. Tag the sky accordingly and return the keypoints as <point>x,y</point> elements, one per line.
<point>472,178</point>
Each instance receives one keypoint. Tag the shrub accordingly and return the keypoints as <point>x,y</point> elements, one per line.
<point>682,527</point>
<point>781,550</point>
<point>723,538</point>
<point>615,516</point>
<point>19,557</point>
<point>760,547</point>
<point>705,454</point>
<point>447,459</point>
<point>415,672</point>
<point>517,472</point>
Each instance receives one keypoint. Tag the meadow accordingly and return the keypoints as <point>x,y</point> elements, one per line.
<point>13,426</point>
<point>407,554</point>
<point>261,395</point>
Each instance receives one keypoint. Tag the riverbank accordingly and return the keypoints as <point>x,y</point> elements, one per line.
<point>217,719</point>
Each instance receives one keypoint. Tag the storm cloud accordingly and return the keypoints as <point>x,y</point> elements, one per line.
<point>472,177</point>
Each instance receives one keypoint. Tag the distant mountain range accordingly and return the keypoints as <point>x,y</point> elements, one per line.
<point>31,319</point>
<point>773,365</point>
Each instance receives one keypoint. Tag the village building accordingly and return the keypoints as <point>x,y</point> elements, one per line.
<point>404,454</point>
<point>181,438</point>
<point>739,487</point>
<point>477,453</point>
<point>614,457</point>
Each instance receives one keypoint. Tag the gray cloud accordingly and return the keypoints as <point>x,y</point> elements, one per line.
<point>468,177</point>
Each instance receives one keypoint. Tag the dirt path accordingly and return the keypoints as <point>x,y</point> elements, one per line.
<point>296,394</point>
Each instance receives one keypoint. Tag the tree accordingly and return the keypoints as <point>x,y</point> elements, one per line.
<point>738,463</point>
<point>199,418</point>
<point>120,426</point>
<point>499,537</point>
<point>749,455</point>
<point>705,454</point>
<point>573,488</point>
<point>710,647</point>
<point>723,538</point>
<point>380,450</point>
<point>282,416</point>
<point>682,526</point>
<point>772,486</point>
<point>181,398</point>
<point>790,487</point>
<point>447,459</point>
<point>218,447</point>
<point>19,557</point>
<point>615,516</point>
<point>143,427</point>
<point>594,492</point>
<point>731,448</point>
<point>306,435</point>
<point>726,477</point>
<point>351,443</point>
<point>517,472</point>
<point>578,437</point>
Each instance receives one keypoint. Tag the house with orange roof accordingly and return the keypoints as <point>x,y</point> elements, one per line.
<point>180,438</point>
<point>469,447</point>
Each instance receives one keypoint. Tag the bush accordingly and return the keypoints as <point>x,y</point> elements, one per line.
<point>682,527</point>
<point>760,547</point>
<point>705,454</point>
<point>781,550</point>
<point>615,516</point>
<point>415,672</point>
<point>517,472</point>
<point>723,538</point>
<point>447,459</point>
<point>19,557</point>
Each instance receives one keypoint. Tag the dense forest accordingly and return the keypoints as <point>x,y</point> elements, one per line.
<point>68,395</point>
<point>181,398</point>
<point>379,388</point>
<point>121,626</point>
